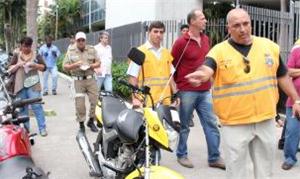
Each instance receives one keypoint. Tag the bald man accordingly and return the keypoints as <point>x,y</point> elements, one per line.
<point>246,70</point>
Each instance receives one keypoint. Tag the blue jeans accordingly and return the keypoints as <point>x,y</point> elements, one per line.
<point>54,73</point>
<point>106,80</point>
<point>292,137</point>
<point>28,93</point>
<point>202,102</point>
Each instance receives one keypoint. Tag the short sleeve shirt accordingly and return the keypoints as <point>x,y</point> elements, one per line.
<point>88,56</point>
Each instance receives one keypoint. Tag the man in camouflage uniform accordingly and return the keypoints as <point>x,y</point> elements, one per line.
<point>80,60</point>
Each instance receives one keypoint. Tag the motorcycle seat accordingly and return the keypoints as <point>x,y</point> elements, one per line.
<point>111,108</point>
<point>15,167</point>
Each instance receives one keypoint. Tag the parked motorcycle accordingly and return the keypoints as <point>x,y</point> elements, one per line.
<point>129,142</point>
<point>15,141</point>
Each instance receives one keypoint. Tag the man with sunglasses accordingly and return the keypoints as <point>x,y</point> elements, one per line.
<point>80,61</point>
<point>246,70</point>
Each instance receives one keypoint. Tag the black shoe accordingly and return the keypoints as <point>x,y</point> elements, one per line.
<point>286,166</point>
<point>54,92</point>
<point>82,129</point>
<point>191,123</point>
<point>92,126</point>
<point>45,93</point>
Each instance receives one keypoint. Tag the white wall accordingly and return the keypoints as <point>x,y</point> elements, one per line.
<point>121,12</point>
<point>175,9</point>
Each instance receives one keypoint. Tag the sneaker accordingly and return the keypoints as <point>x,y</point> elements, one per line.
<point>54,92</point>
<point>218,164</point>
<point>92,126</point>
<point>184,161</point>
<point>286,166</point>
<point>45,93</point>
<point>43,133</point>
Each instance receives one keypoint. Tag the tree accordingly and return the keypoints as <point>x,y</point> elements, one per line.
<point>68,19</point>
<point>31,23</point>
<point>12,22</point>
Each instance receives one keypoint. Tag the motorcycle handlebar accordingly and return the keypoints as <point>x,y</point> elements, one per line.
<point>145,90</point>
<point>23,102</point>
<point>134,88</point>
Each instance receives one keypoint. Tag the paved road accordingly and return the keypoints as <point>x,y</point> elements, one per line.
<point>60,154</point>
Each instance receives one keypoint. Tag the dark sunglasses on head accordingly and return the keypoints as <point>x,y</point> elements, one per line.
<point>247,63</point>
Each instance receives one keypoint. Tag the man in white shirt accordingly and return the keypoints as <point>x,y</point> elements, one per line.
<point>157,68</point>
<point>103,73</point>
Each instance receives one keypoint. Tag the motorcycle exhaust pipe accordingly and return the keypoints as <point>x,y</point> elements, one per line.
<point>85,148</point>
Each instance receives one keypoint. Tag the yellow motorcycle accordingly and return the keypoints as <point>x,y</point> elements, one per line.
<point>129,141</point>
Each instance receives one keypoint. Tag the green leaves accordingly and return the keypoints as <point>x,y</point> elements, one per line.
<point>119,72</point>
<point>68,18</point>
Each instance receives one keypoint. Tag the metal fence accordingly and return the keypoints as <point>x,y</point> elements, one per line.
<point>275,25</point>
<point>281,27</point>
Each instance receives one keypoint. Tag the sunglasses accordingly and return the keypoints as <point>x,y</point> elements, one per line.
<point>247,63</point>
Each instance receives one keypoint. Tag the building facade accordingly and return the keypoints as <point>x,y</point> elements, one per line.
<point>93,14</point>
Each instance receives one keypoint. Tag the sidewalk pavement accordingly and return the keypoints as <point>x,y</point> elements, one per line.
<point>59,153</point>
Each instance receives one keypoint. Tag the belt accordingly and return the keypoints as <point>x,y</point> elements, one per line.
<point>82,77</point>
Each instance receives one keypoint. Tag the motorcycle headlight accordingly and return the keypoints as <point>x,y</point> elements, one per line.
<point>173,136</point>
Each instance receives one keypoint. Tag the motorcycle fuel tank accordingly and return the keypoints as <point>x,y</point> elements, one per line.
<point>13,141</point>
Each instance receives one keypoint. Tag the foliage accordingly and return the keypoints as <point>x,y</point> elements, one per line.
<point>12,13</point>
<point>68,18</point>
<point>216,15</point>
<point>217,10</point>
<point>119,72</point>
<point>59,63</point>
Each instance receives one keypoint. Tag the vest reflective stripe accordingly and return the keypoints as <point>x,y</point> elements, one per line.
<point>240,93</point>
<point>245,98</point>
<point>155,81</point>
<point>245,83</point>
<point>156,74</point>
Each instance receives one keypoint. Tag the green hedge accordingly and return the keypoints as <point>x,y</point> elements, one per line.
<point>59,63</point>
<point>119,72</point>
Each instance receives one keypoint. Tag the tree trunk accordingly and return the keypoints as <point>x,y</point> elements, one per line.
<point>31,21</point>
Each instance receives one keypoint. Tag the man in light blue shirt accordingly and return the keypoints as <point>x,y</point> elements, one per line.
<point>50,53</point>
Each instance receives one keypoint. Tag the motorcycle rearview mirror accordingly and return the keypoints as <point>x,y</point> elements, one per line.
<point>136,56</point>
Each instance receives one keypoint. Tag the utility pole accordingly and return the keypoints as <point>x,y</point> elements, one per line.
<point>90,15</point>
<point>237,3</point>
<point>56,21</point>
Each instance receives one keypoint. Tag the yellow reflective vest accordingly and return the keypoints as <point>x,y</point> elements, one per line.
<point>156,74</point>
<point>240,97</point>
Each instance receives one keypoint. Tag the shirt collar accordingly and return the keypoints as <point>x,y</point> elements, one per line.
<point>187,36</point>
<point>149,46</point>
<point>77,49</point>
